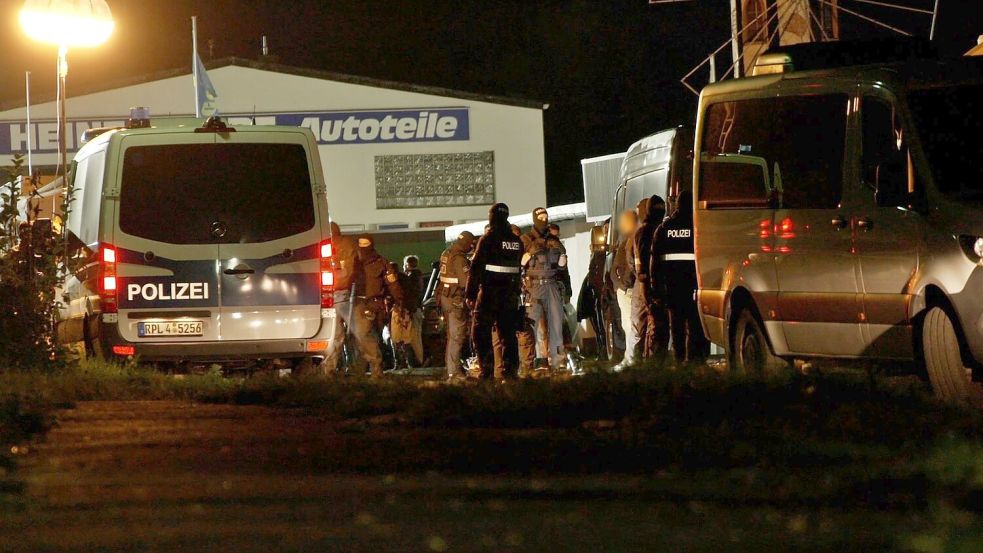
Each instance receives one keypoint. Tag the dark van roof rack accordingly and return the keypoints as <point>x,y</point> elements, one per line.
<point>215,124</point>
<point>827,55</point>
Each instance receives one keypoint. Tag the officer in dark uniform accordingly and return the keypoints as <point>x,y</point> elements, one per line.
<point>344,261</point>
<point>674,275</point>
<point>525,334</point>
<point>544,259</point>
<point>453,277</point>
<point>374,280</point>
<point>648,313</point>
<point>493,291</point>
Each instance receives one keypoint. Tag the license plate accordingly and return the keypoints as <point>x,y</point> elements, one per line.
<point>170,328</point>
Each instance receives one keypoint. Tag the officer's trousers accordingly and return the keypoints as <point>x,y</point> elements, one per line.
<point>650,322</point>
<point>456,321</point>
<point>546,312</point>
<point>689,344</point>
<point>367,316</point>
<point>500,310</point>
<point>343,326</point>
<point>526,339</point>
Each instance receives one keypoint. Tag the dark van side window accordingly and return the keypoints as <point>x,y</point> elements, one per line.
<point>786,149</point>
<point>175,193</point>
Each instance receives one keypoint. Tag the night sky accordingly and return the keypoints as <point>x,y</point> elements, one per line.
<point>609,69</point>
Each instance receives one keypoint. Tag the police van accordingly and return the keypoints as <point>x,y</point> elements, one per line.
<point>839,213</point>
<point>198,243</point>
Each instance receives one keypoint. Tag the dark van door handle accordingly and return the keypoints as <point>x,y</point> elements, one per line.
<point>839,223</point>
<point>239,271</point>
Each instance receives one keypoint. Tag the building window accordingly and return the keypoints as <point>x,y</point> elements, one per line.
<point>434,180</point>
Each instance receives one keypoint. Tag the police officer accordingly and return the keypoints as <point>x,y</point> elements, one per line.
<point>648,314</point>
<point>674,275</point>
<point>374,280</point>
<point>543,260</point>
<point>524,334</point>
<point>344,262</point>
<point>493,291</point>
<point>452,279</point>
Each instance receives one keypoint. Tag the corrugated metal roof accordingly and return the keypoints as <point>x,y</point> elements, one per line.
<point>103,86</point>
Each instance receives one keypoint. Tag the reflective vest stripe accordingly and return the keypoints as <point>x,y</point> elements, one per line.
<point>448,280</point>
<point>502,269</point>
<point>679,257</point>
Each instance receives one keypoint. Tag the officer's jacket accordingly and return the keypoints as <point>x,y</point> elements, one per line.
<point>673,264</point>
<point>643,243</point>
<point>376,279</point>
<point>454,266</point>
<point>496,263</point>
<point>343,261</point>
<point>546,255</point>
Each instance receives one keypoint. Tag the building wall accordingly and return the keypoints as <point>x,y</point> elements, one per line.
<point>514,134</point>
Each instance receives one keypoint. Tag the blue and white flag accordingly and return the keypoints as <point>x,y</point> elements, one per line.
<point>205,91</point>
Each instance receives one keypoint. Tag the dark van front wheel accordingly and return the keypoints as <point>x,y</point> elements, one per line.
<point>951,379</point>
<point>750,352</point>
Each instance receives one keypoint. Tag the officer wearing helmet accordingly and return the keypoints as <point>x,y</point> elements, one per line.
<point>673,270</point>
<point>544,260</point>
<point>452,278</point>
<point>374,281</point>
<point>493,291</point>
<point>524,334</point>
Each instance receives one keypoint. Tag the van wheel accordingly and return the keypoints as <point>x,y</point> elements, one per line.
<point>90,336</point>
<point>950,378</point>
<point>749,351</point>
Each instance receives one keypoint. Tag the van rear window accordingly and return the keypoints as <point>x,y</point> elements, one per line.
<point>176,193</point>
<point>793,145</point>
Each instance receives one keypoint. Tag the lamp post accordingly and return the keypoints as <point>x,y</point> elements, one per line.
<point>66,24</point>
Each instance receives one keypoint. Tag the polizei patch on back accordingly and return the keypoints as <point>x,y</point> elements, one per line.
<point>174,291</point>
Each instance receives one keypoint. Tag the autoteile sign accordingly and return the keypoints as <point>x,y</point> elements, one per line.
<point>329,127</point>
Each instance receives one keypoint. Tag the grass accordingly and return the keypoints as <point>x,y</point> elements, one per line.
<point>819,441</point>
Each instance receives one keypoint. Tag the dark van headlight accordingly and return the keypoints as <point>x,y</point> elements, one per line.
<point>972,247</point>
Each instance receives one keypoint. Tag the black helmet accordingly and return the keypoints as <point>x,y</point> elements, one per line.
<point>498,215</point>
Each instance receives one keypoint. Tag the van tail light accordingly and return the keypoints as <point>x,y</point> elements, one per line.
<point>327,275</point>
<point>107,278</point>
<point>124,351</point>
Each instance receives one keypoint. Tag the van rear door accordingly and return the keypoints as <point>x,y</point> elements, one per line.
<point>166,255</point>
<point>269,252</point>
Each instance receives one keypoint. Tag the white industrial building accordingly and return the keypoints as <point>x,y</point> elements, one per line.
<point>397,157</point>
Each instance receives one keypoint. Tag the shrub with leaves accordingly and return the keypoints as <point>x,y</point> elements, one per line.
<point>30,280</point>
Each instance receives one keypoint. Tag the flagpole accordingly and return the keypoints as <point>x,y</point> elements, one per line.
<point>30,146</point>
<point>194,64</point>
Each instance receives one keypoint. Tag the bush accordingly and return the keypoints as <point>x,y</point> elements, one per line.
<point>30,276</point>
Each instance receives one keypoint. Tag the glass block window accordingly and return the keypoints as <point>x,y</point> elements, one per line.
<point>434,180</point>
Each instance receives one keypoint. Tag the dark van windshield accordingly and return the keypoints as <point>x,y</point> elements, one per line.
<point>176,193</point>
<point>950,125</point>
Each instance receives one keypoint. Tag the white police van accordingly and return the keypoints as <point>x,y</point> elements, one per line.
<point>191,243</point>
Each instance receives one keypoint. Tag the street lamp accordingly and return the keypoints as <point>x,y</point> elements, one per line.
<point>66,23</point>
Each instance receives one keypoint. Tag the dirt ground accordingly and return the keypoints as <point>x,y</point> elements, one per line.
<point>179,476</point>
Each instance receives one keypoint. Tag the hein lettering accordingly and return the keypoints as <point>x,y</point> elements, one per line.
<point>174,291</point>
